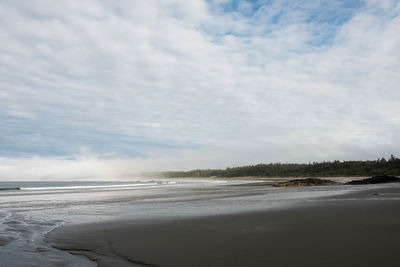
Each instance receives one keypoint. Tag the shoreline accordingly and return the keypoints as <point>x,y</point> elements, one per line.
<point>251,178</point>
<point>357,229</point>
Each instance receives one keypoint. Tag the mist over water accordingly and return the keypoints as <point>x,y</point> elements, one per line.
<point>94,168</point>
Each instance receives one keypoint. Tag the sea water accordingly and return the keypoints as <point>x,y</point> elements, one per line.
<point>29,210</point>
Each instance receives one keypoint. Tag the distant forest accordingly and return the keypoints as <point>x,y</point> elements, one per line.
<point>389,166</point>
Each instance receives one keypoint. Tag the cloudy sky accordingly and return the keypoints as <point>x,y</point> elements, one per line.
<point>98,88</point>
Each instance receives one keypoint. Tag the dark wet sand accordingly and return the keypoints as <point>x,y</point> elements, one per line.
<point>358,229</point>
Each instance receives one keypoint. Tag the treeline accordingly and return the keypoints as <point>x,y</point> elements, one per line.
<point>381,166</point>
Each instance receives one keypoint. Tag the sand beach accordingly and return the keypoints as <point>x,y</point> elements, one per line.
<point>361,228</point>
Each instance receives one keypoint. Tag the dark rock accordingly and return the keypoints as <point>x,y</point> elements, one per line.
<point>306,182</point>
<point>11,188</point>
<point>378,179</point>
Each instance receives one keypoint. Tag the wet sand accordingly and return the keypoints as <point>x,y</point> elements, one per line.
<point>357,229</point>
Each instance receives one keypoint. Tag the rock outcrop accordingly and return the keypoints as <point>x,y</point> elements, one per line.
<point>306,182</point>
<point>10,188</point>
<point>378,179</point>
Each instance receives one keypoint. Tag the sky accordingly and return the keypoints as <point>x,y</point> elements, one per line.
<point>108,88</point>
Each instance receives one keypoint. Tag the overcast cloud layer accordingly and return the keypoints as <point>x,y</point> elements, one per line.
<point>177,84</point>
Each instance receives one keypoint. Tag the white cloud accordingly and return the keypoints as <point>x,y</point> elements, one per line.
<point>144,78</point>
